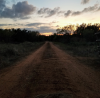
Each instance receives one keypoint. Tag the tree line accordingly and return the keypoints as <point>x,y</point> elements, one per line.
<point>83,32</point>
<point>18,35</point>
<point>66,34</point>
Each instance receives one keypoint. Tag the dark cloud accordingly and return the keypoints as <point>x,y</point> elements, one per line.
<point>76,13</point>
<point>61,12</point>
<point>19,10</point>
<point>53,12</point>
<point>42,29</point>
<point>12,25</point>
<point>89,9</point>
<point>25,17</point>
<point>2,5</point>
<point>49,12</point>
<point>7,13</point>
<point>67,13</point>
<point>85,1</point>
<point>3,25</point>
<point>34,24</point>
<point>9,25</point>
<point>23,9</point>
<point>44,11</point>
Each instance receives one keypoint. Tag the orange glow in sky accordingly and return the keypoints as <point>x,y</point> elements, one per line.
<point>46,34</point>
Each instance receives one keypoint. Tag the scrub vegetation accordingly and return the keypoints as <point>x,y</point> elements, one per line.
<point>87,53</point>
<point>10,52</point>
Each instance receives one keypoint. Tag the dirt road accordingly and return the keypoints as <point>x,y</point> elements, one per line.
<point>48,73</point>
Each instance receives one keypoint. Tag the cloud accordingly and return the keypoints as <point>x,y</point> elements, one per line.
<point>2,5</point>
<point>19,10</point>
<point>34,24</point>
<point>42,29</point>
<point>76,13</point>
<point>3,25</point>
<point>37,25</point>
<point>61,12</point>
<point>13,25</point>
<point>57,26</point>
<point>91,8</point>
<point>67,13</point>
<point>44,11</point>
<point>85,1</point>
<point>27,17</point>
<point>98,9</point>
<point>49,12</point>
<point>88,9</point>
<point>23,9</point>
<point>7,13</point>
<point>53,12</point>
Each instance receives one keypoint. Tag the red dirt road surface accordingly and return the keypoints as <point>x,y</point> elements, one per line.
<point>49,73</point>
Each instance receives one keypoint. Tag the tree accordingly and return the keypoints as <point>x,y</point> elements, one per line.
<point>68,29</point>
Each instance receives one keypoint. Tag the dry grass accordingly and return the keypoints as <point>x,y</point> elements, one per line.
<point>10,53</point>
<point>85,52</point>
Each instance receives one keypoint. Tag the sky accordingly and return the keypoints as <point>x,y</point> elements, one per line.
<point>46,16</point>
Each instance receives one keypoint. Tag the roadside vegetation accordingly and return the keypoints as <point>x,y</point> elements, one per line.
<point>87,53</point>
<point>11,53</point>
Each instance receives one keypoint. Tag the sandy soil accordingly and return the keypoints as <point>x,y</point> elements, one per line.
<point>49,73</point>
